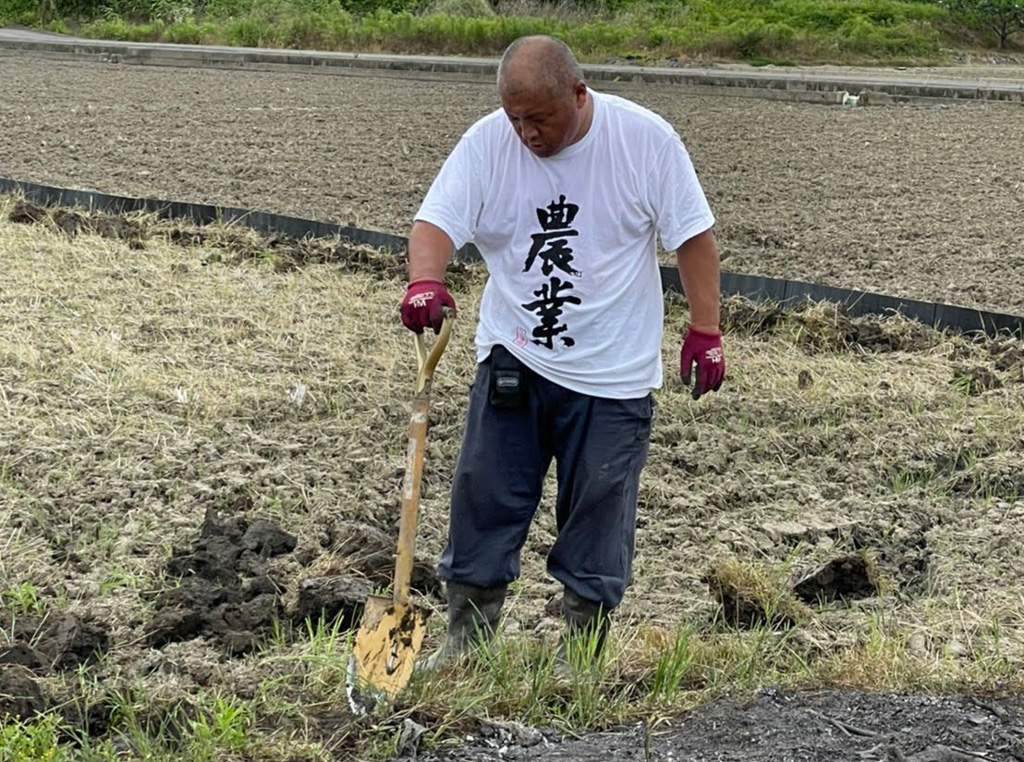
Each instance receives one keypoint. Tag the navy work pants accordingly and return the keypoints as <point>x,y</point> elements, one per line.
<point>599,445</point>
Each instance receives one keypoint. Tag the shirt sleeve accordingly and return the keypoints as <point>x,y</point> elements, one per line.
<point>455,198</point>
<point>680,207</point>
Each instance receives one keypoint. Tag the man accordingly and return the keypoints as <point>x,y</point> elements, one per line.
<point>563,190</point>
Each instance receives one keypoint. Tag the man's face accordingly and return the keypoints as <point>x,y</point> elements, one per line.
<point>546,123</point>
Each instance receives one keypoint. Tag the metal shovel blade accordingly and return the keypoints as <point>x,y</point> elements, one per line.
<point>391,633</point>
<point>386,645</point>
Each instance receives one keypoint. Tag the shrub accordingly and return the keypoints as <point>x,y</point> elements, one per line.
<point>225,9</point>
<point>599,36</point>
<point>189,32</point>
<point>254,32</point>
<point>17,11</point>
<point>462,8</point>
<point>859,35</point>
<point>318,31</point>
<point>755,30</point>
<point>753,38</point>
<point>116,28</point>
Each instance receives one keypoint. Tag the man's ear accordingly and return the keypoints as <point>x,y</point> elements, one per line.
<point>580,93</point>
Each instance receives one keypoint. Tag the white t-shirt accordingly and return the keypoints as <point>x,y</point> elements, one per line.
<point>569,242</point>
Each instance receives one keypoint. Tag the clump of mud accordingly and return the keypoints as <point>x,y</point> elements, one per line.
<point>74,222</point>
<point>847,578</point>
<point>355,546</point>
<point>983,363</point>
<point>21,698</point>
<point>976,379</point>
<point>750,596</point>
<point>899,549</point>
<point>286,253</point>
<point>829,326</point>
<point>1008,354</point>
<point>52,641</point>
<point>227,592</point>
<point>39,645</point>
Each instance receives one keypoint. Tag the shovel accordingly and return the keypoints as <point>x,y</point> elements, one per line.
<point>391,632</point>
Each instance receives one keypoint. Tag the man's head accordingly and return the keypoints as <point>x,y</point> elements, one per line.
<point>542,91</point>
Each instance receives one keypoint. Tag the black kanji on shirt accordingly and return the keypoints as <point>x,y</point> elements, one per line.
<point>549,308</point>
<point>552,244</point>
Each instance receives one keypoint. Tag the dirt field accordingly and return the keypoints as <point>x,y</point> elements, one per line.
<point>200,429</point>
<point>923,202</point>
<point>200,436</point>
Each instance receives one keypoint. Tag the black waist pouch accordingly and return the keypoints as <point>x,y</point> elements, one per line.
<point>508,379</point>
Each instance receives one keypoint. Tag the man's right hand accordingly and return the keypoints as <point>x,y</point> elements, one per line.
<point>703,349</point>
<point>423,305</point>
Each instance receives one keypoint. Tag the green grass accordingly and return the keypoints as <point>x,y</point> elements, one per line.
<point>754,30</point>
<point>653,673</point>
<point>214,728</point>
<point>24,600</point>
<point>37,741</point>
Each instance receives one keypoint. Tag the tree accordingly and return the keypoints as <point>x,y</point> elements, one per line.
<point>1004,17</point>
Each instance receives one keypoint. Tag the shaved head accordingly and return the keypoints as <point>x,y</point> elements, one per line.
<point>538,63</point>
<point>543,94</point>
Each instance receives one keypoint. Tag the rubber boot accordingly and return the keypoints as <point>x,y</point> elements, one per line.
<point>586,629</point>
<point>473,614</point>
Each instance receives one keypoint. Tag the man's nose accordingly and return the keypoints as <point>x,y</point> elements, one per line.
<point>529,131</point>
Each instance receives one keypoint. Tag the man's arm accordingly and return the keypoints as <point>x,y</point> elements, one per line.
<point>426,298</point>
<point>699,271</point>
<point>430,250</point>
<point>702,346</point>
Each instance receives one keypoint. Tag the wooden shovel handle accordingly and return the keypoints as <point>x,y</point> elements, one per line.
<point>414,457</point>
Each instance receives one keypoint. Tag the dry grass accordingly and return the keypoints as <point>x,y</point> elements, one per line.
<point>141,384</point>
<point>752,596</point>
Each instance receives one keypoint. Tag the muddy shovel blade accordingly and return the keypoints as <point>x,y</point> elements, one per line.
<point>386,646</point>
<point>391,632</point>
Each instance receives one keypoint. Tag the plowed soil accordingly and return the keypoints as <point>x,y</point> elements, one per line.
<point>923,202</point>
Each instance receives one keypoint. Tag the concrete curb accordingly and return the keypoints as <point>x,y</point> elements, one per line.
<point>848,90</point>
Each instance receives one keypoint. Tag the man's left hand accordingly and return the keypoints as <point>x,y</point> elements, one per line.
<point>704,349</point>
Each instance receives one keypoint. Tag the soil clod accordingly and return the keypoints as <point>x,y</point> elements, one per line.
<point>976,379</point>
<point>827,326</point>
<point>751,597</point>
<point>226,592</point>
<point>370,552</point>
<point>53,641</point>
<point>78,641</point>
<point>268,540</point>
<point>847,578</point>
<point>23,655</point>
<point>336,600</point>
<point>20,694</point>
<point>74,222</point>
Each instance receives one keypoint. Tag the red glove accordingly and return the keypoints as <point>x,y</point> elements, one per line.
<point>705,349</point>
<point>423,305</point>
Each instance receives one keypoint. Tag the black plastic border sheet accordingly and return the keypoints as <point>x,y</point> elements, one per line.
<point>754,287</point>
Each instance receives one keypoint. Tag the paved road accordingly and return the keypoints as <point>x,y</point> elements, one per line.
<point>820,84</point>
